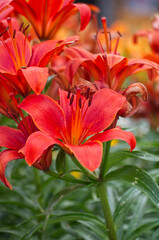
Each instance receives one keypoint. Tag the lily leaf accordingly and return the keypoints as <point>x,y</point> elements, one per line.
<point>137,178</point>
<point>143,229</point>
<point>118,156</point>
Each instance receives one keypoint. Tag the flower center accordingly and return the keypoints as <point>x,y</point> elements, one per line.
<point>79,106</point>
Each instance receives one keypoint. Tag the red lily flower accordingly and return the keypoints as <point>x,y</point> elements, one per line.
<point>76,124</point>
<point>14,140</point>
<point>46,16</point>
<point>23,66</point>
<point>107,70</point>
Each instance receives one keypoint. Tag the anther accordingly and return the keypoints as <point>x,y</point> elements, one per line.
<point>4,31</point>
<point>90,101</point>
<point>68,95</point>
<point>21,26</point>
<point>25,29</point>
<point>120,35</point>
<point>14,33</point>
<point>23,67</point>
<point>87,93</point>
<point>71,100</point>
<point>80,102</point>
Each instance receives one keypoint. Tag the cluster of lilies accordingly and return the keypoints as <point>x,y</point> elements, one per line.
<point>60,90</point>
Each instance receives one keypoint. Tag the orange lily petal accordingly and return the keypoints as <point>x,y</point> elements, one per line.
<point>88,154</point>
<point>11,138</point>
<point>116,133</point>
<point>104,107</point>
<point>36,78</point>
<point>46,113</point>
<point>36,144</point>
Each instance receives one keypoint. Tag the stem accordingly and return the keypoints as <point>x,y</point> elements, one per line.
<point>37,179</point>
<point>103,166</point>
<point>107,212</point>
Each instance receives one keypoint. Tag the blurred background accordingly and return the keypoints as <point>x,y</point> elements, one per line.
<point>137,12</point>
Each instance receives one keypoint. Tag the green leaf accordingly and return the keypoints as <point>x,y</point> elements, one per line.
<point>143,229</point>
<point>13,232</point>
<point>155,235</point>
<point>137,178</point>
<point>136,218</point>
<point>124,205</point>
<point>118,156</point>
<point>66,217</point>
<point>59,197</point>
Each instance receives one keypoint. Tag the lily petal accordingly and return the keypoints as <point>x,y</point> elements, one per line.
<point>88,154</point>
<point>36,78</point>
<point>104,107</point>
<point>116,133</point>
<point>5,157</point>
<point>11,138</point>
<point>85,14</point>
<point>4,3</point>
<point>46,113</point>
<point>36,144</point>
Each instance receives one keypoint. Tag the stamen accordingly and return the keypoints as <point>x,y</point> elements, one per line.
<point>68,95</point>
<point>71,100</point>
<point>120,35</point>
<point>117,42</point>
<point>80,102</point>
<point>21,26</point>
<point>87,93</point>
<point>90,101</point>
<point>14,33</point>
<point>110,41</point>
<point>25,29</point>
<point>4,31</point>
<point>104,22</point>
<point>95,23</point>
<point>23,67</point>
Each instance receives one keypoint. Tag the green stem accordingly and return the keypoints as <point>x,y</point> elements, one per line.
<point>66,178</point>
<point>37,179</point>
<point>107,212</point>
<point>103,166</point>
<point>89,174</point>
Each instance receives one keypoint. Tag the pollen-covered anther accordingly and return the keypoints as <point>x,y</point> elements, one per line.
<point>25,29</point>
<point>80,102</point>
<point>69,93</point>
<point>71,99</point>
<point>21,26</point>
<point>14,33</point>
<point>7,28</point>
<point>90,101</point>
<point>87,93</point>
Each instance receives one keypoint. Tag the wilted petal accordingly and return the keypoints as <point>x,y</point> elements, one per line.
<point>88,154</point>
<point>5,157</point>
